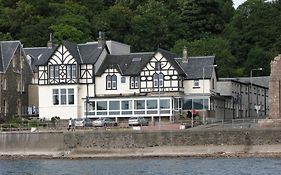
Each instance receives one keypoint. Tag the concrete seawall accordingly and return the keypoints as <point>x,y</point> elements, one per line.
<point>139,143</point>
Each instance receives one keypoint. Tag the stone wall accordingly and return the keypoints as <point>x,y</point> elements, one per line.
<point>93,143</point>
<point>274,88</point>
<point>121,140</point>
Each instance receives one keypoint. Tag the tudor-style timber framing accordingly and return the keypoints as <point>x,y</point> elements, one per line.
<point>62,68</point>
<point>172,81</point>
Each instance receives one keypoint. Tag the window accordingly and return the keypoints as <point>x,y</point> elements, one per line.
<point>4,83</point>
<point>165,104</point>
<point>126,107</point>
<point>161,80</point>
<point>151,104</point>
<point>123,79</point>
<point>91,106</point>
<point>102,105</point>
<point>63,96</point>
<point>111,82</point>
<point>155,80</point>
<point>177,103</point>
<point>196,83</point>
<point>108,82</point>
<point>70,96</point>
<point>139,104</point>
<point>134,82</point>
<point>114,81</point>
<point>55,96</point>
<point>18,86</point>
<point>114,108</point>
<point>56,73</point>
<point>114,105</point>
<point>73,69</point>
<point>158,79</point>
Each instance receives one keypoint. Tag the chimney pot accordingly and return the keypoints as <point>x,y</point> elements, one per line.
<point>184,54</point>
<point>101,39</point>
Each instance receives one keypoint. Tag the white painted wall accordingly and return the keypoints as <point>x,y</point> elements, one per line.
<point>123,88</point>
<point>48,110</point>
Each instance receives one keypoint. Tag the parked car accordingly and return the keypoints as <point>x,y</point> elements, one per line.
<point>137,121</point>
<point>104,122</point>
<point>83,122</point>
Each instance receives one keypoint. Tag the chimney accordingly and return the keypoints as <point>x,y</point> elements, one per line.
<point>101,40</point>
<point>184,54</point>
<point>50,42</point>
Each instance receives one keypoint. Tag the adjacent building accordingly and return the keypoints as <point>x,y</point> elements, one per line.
<point>15,76</point>
<point>244,97</point>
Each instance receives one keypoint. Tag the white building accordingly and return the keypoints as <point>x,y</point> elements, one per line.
<point>103,79</point>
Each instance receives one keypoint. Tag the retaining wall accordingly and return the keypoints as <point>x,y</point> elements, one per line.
<point>90,142</point>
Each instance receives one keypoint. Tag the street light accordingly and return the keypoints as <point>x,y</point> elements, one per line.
<point>251,79</point>
<point>159,106</point>
<point>203,108</point>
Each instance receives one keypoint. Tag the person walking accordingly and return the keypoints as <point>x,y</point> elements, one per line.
<point>73,124</point>
<point>69,124</point>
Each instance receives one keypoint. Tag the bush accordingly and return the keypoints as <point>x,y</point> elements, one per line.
<point>55,119</point>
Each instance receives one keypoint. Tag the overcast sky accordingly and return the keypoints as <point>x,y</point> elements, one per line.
<point>237,3</point>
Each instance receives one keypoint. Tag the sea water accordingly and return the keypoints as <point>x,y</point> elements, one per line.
<point>145,166</point>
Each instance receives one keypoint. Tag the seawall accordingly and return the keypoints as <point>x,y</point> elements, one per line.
<point>140,143</point>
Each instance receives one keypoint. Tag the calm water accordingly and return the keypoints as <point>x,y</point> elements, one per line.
<point>233,166</point>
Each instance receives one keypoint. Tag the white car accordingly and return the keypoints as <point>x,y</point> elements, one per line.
<point>137,121</point>
<point>104,122</point>
<point>83,122</point>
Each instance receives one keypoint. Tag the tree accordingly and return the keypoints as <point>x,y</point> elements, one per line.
<point>66,32</point>
<point>203,18</point>
<point>208,47</point>
<point>153,26</point>
<point>116,22</point>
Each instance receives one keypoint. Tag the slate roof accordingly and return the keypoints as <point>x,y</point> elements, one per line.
<point>38,54</point>
<point>89,52</point>
<point>259,81</point>
<point>7,50</point>
<point>194,67</point>
<point>126,65</point>
<point>83,53</point>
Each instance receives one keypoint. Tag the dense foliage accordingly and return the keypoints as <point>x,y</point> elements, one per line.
<point>241,39</point>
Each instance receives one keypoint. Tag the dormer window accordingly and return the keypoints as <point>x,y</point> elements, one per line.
<point>196,84</point>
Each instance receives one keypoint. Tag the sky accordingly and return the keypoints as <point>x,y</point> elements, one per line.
<point>237,3</point>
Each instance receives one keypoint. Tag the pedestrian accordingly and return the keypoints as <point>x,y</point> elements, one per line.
<point>69,124</point>
<point>73,124</point>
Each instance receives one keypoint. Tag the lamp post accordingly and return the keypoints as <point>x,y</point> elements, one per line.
<point>159,106</point>
<point>203,108</point>
<point>251,79</point>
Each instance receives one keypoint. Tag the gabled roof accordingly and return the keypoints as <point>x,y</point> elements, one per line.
<point>83,53</point>
<point>171,57</point>
<point>132,64</point>
<point>7,50</point>
<point>126,64</point>
<point>193,67</point>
